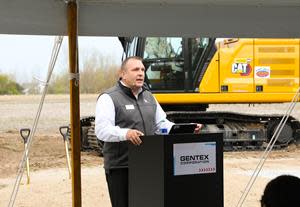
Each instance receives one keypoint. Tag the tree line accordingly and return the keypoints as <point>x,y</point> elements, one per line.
<point>97,74</point>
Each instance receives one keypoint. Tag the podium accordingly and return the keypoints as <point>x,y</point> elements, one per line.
<point>177,171</point>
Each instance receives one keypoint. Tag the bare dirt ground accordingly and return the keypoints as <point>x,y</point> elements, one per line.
<point>49,180</point>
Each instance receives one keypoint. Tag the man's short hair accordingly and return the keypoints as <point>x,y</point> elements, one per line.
<point>123,65</point>
<point>282,191</point>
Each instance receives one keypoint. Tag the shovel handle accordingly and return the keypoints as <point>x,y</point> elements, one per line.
<point>64,132</point>
<point>25,132</point>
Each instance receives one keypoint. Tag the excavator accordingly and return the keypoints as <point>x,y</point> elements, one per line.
<point>188,74</point>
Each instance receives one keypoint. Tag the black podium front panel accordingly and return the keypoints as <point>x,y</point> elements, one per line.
<point>176,171</point>
<point>146,173</point>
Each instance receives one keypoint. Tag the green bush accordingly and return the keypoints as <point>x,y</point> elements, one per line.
<point>9,86</point>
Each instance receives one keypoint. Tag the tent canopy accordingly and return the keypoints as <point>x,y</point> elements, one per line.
<point>214,18</point>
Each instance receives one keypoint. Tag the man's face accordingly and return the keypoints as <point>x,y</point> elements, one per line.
<point>134,73</point>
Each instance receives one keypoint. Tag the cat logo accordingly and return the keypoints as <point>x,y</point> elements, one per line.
<point>241,66</point>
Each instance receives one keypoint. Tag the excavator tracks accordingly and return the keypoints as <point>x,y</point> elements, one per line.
<point>241,132</point>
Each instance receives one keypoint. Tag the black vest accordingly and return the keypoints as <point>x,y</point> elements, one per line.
<point>130,113</point>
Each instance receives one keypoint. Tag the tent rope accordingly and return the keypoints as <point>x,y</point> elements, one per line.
<point>268,149</point>
<point>55,52</point>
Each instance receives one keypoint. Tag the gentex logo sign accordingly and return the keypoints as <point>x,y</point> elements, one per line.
<point>194,158</point>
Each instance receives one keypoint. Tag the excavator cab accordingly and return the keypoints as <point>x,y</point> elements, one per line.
<point>172,63</point>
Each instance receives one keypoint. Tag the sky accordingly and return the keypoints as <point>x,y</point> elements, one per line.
<point>26,56</point>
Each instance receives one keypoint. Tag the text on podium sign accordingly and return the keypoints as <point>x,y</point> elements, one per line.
<point>194,158</point>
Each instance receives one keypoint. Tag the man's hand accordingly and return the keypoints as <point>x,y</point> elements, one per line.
<point>133,135</point>
<point>197,129</point>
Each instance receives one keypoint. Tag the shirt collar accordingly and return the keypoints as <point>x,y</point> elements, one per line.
<point>140,90</point>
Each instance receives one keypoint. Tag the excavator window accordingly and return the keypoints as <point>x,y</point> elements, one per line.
<point>132,47</point>
<point>164,63</point>
<point>171,62</point>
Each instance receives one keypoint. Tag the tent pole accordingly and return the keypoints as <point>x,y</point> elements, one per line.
<point>74,102</point>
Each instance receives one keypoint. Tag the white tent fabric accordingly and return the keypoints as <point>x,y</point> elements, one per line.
<point>215,18</point>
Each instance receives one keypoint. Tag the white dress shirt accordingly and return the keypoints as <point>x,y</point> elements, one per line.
<point>105,127</point>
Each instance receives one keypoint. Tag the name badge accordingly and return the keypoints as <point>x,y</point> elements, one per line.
<point>129,107</point>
